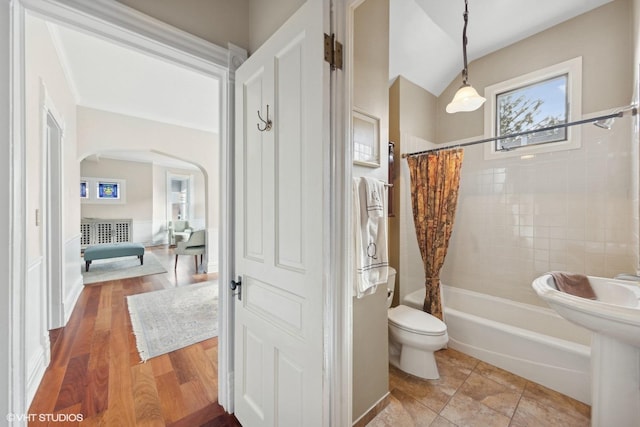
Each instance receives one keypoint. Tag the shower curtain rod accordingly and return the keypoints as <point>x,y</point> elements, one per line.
<point>634,111</point>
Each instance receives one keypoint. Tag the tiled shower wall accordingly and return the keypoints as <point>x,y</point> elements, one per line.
<point>519,218</point>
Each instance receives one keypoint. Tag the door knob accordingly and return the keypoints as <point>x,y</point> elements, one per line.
<point>237,285</point>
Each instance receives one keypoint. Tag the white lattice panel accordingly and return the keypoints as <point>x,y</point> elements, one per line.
<point>121,232</point>
<point>85,238</point>
<point>96,231</point>
<point>103,233</point>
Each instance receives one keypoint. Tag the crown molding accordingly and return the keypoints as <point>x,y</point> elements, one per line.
<point>117,22</point>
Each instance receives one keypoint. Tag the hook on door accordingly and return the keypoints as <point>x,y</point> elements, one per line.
<point>268,124</point>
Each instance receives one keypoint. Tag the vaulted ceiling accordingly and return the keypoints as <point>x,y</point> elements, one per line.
<point>425,43</point>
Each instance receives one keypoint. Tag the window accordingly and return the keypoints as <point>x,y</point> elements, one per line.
<point>541,99</point>
<point>535,106</point>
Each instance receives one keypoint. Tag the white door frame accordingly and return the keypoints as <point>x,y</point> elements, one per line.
<point>339,301</point>
<point>227,247</point>
<point>342,158</point>
<point>14,257</point>
<point>120,24</point>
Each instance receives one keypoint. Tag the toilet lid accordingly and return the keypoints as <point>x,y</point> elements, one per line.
<point>416,321</point>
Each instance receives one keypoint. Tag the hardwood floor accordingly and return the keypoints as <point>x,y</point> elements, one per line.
<point>96,375</point>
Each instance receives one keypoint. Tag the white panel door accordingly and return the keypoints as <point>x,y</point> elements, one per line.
<point>281,227</point>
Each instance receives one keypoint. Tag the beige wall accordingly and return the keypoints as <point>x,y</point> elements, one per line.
<point>370,95</point>
<point>371,74</point>
<point>217,21</point>
<point>412,123</point>
<point>138,187</point>
<point>418,108</point>
<point>602,37</point>
<point>266,17</point>
<point>100,131</point>
<point>245,23</point>
<point>42,65</point>
<point>394,110</point>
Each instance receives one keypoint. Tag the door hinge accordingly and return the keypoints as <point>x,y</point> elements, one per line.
<point>333,51</point>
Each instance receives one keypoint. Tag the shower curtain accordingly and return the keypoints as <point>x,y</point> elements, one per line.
<point>435,179</point>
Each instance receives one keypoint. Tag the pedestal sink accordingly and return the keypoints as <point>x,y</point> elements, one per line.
<point>614,319</point>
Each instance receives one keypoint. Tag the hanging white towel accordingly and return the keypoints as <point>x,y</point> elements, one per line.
<point>374,197</point>
<point>370,236</point>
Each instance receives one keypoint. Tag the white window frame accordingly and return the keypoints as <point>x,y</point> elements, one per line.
<point>573,69</point>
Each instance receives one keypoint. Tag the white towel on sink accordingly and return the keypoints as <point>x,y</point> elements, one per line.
<point>370,236</point>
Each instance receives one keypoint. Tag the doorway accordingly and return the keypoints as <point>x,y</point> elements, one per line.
<point>57,185</point>
<point>179,197</point>
<point>52,214</point>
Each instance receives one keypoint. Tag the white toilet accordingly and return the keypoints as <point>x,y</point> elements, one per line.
<point>413,337</point>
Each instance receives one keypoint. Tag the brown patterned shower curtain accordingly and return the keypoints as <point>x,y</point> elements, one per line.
<point>435,179</point>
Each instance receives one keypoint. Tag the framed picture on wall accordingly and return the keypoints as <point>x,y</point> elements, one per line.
<point>365,135</point>
<point>84,190</point>
<point>108,190</point>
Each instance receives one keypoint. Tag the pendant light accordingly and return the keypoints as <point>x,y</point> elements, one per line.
<point>466,98</point>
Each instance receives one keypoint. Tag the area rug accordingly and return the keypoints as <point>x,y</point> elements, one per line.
<point>102,270</point>
<point>170,319</point>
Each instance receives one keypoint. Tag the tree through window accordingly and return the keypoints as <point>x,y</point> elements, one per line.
<point>539,99</point>
<point>534,106</point>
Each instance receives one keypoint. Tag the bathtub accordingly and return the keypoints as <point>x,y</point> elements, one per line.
<point>531,341</point>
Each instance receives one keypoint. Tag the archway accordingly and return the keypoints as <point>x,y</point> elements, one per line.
<point>143,179</point>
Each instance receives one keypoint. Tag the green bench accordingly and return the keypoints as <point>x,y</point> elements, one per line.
<point>113,250</point>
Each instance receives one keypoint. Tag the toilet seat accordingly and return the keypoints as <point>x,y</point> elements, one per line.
<point>416,321</point>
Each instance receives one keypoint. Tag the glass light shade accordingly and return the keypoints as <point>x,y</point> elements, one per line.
<point>465,99</point>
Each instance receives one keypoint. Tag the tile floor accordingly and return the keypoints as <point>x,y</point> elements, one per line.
<point>473,393</point>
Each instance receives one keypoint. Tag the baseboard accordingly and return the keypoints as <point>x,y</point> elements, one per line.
<point>34,327</point>
<point>37,366</point>
<point>72,277</point>
<point>373,411</point>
